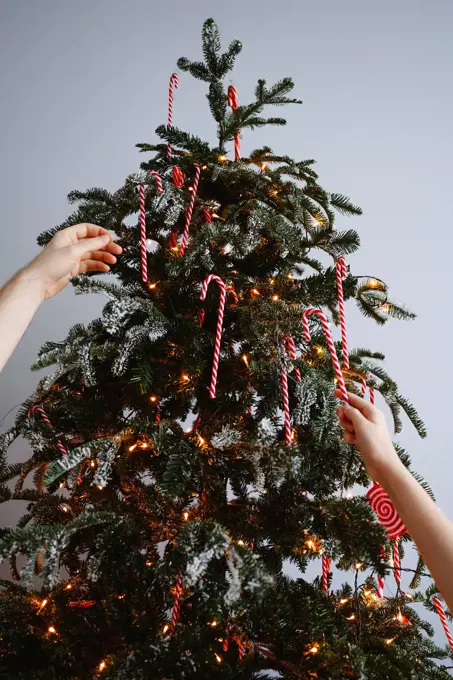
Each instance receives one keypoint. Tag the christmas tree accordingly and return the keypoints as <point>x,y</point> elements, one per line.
<point>186,448</point>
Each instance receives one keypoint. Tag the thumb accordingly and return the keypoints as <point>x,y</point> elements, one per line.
<point>88,245</point>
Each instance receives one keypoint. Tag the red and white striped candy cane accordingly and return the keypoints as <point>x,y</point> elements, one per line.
<point>177,177</point>
<point>189,211</point>
<point>176,612</point>
<point>443,619</point>
<point>219,329</point>
<point>173,85</point>
<point>288,340</point>
<point>380,580</point>
<point>333,354</point>
<point>39,409</point>
<point>342,273</point>
<point>396,562</point>
<point>326,565</point>
<point>143,250</point>
<point>158,179</point>
<point>207,215</point>
<point>372,393</point>
<point>233,102</point>
<point>286,415</point>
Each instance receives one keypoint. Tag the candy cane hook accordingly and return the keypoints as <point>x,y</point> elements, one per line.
<point>333,354</point>
<point>39,409</point>
<point>443,619</point>
<point>290,344</point>
<point>173,85</point>
<point>219,329</point>
<point>342,273</point>
<point>233,102</point>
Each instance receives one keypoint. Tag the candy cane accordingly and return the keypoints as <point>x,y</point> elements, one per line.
<point>233,102</point>
<point>177,603</point>
<point>396,563</point>
<point>207,215</point>
<point>380,580</point>
<point>342,273</point>
<point>43,414</point>
<point>177,177</point>
<point>443,619</point>
<point>173,85</point>
<point>219,329</point>
<point>372,393</point>
<point>288,340</point>
<point>286,414</point>
<point>326,564</point>
<point>144,252</point>
<point>158,179</point>
<point>189,211</point>
<point>333,354</point>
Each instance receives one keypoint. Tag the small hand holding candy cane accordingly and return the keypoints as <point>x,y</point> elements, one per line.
<point>390,520</point>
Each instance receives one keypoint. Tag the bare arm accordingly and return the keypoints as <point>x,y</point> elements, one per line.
<point>364,425</point>
<point>75,250</point>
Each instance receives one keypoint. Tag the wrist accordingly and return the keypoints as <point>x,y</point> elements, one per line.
<point>391,471</point>
<point>33,283</point>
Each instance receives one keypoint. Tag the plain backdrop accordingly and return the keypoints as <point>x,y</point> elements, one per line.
<point>82,82</point>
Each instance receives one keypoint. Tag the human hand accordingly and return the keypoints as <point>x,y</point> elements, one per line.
<point>364,425</point>
<point>75,250</point>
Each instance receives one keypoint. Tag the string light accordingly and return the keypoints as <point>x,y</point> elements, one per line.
<point>314,649</point>
<point>100,487</point>
<point>401,618</point>
<point>344,600</point>
<point>102,665</point>
<point>165,628</point>
<point>185,516</point>
<point>148,563</point>
<point>51,630</point>
<point>290,276</point>
<point>218,658</point>
<point>201,441</point>
<point>255,291</point>
<point>189,430</point>
<point>93,463</point>
<point>212,623</point>
<point>319,350</point>
<point>276,297</point>
<point>144,445</point>
<point>245,360</point>
<point>271,281</point>
<point>185,377</point>
<point>350,618</point>
<point>68,587</point>
<point>241,542</point>
<point>264,166</point>
<point>132,447</point>
<point>153,398</point>
<point>152,286</point>
<point>222,158</point>
<point>358,565</point>
<point>43,603</point>
<point>390,640</point>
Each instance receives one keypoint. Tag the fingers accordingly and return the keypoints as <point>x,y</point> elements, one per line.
<point>81,232</point>
<point>93,266</point>
<point>364,407</point>
<point>349,438</point>
<point>101,256</point>
<point>345,422</point>
<point>88,245</point>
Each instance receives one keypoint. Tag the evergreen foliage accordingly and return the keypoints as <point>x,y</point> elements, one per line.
<point>226,503</point>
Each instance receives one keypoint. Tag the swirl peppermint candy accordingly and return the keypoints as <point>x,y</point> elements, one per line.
<point>385,511</point>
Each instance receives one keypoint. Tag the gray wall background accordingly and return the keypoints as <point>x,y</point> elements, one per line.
<point>82,82</point>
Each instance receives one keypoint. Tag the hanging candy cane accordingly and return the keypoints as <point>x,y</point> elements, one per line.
<point>158,179</point>
<point>233,102</point>
<point>342,273</point>
<point>189,211</point>
<point>380,580</point>
<point>326,565</point>
<point>396,562</point>
<point>443,619</point>
<point>173,85</point>
<point>176,612</point>
<point>143,250</point>
<point>177,177</point>
<point>372,393</point>
<point>288,340</point>
<point>219,329</point>
<point>43,414</point>
<point>286,414</point>
<point>333,354</point>
<point>207,215</point>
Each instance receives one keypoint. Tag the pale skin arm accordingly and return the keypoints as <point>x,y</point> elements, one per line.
<point>75,250</point>
<point>364,425</point>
